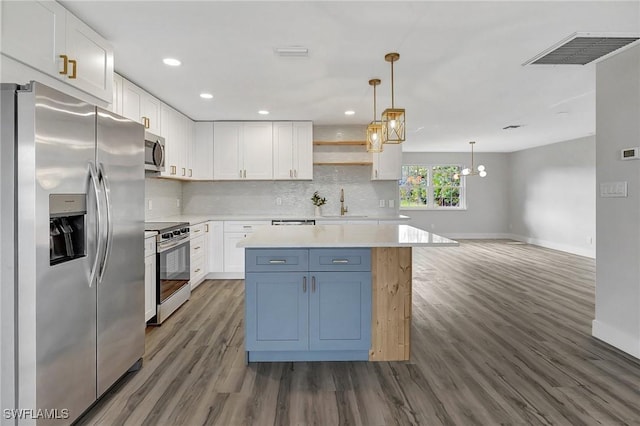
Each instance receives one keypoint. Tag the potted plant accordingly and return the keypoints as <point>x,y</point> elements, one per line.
<point>318,201</point>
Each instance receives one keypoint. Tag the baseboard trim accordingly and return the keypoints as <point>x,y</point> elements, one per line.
<point>476,236</point>
<point>580,251</point>
<point>225,276</point>
<point>618,339</point>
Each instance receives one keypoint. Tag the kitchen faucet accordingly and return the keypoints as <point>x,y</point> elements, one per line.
<point>343,209</point>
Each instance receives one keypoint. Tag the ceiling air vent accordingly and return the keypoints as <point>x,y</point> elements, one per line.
<point>582,48</point>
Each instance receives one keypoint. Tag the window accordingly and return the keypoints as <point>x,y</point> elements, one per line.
<point>431,187</point>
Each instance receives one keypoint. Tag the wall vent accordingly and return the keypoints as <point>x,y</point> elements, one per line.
<point>582,48</point>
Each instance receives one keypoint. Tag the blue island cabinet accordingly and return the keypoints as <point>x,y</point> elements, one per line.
<point>308,304</point>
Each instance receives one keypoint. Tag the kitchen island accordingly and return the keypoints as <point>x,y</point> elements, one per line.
<point>331,292</point>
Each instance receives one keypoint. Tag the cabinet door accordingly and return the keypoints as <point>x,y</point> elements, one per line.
<point>170,165</point>
<point>94,59</point>
<point>33,33</point>
<point>257,152</point>
<point>340,311</point>
<point>283,150</point>
<point>131,101</point>
<point>215,252</point>
<point>116,103</point>
<point>150,109</point>
<point>202,161</point>
<point>387,165</point>
<point>303,150</point>
<point>149,287</point>
<point>276,314</point>
<point>227,138</point>
<point>233,256</point>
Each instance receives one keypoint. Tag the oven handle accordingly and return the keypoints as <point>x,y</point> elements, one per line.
<point>162,247</point>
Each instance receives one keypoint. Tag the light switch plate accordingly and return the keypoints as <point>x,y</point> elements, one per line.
<point>381,203</point>
<point>613,189</point>
<point>392,204</point>
<point>150,204</point>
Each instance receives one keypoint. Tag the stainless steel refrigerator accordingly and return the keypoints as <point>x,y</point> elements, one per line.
<point>73,204</point>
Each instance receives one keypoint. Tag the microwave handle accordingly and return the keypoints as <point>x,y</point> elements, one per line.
<point>158,145</point>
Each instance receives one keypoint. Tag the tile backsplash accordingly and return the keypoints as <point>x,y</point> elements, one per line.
<point>261,197</point>
<point>165,196</point>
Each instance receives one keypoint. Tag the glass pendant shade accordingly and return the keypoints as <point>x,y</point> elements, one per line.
<point>393,125</point>
<point>393,119</point>
<point>374,137</point>
<point>374,129</point>
<point>470,171</point>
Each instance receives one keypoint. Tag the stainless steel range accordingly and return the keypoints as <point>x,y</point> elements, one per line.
<point>173,287</point>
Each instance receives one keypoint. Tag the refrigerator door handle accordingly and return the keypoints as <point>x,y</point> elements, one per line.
<point>107,251</point>
<point>93,176</point>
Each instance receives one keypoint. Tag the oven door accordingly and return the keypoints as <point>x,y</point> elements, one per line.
<point>173,267</point>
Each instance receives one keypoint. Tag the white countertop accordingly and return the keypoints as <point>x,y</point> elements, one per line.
<point>195,219</point>
<point>149,234</point>
<point>350,235</point>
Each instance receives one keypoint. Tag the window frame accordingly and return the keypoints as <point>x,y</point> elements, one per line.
<point>430,190</point>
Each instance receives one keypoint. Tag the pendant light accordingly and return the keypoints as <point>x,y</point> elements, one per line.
<point>470,171</point>
<point>393,118</point>
<point>374,129</point>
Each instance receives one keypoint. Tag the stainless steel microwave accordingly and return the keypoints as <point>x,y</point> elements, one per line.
<point>153,152</point>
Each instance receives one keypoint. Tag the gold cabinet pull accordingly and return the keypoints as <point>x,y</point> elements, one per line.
<point>206,227</point>
<point>173,170</point>
<point>74,68</point>
<point>65,64</point>
<point>184,171</point>
<point>190,173</point>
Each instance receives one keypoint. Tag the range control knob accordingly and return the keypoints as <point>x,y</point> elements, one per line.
<point>167,235</point>
<point>176,232</point>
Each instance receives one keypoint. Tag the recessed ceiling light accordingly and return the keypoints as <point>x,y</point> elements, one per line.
<point>263,112</point>
<point>206,95</point>
<point>349,112</point>
<point>171,62</point>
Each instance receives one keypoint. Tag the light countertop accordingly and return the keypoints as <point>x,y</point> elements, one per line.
<point>196,219</point>
<point>150,234</point>
<point>349,235</point>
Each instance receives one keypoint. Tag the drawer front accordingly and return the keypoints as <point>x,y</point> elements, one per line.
<point>243,226</point>
<point>149,246</point>
<point>197,267</point>
<point>197,230</point>
<point>197,246</point>
<point>338,259</point>
<point>276,260</point>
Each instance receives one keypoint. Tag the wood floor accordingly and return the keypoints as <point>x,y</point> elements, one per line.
<point>501,335</point>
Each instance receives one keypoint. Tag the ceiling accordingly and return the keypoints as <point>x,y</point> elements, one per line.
<point>460,75</point>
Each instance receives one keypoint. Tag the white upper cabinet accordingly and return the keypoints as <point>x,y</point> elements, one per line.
<point>116,104</point>
<point>202,161</point>
<point>45,36</point>
<point>173,145</point>
<point>227,139</point>
<point>387,165</point>
<point>242,150</point>
<point>292,150</point>
<point>140,106</point>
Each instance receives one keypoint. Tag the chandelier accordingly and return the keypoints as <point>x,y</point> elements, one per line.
<point>393,118</point>
<point>374,129</point>
<point>470,171</point>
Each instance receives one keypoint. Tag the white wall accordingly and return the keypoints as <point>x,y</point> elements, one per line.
<point>617,319</point>
<point>486,215</point>
<point>552,196</point>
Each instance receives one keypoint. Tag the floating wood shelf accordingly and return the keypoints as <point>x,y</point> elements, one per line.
<point>344,143</point>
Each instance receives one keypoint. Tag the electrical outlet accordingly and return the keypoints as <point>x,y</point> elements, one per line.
<point>150,204</point>
<point>381,204</point>
<point>392,204</point>
<point>177,202</point>
<point>278,201</point>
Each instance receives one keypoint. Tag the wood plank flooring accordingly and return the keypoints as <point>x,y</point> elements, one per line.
<point>501,334</point>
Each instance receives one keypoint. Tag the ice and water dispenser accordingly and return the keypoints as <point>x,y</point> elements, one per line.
<point>67,224</point>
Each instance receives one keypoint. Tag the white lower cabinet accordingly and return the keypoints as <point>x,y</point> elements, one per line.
<point>234,232</point>
<point>198,254</point>
<point>215,248</point>
<point>149,278</point>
